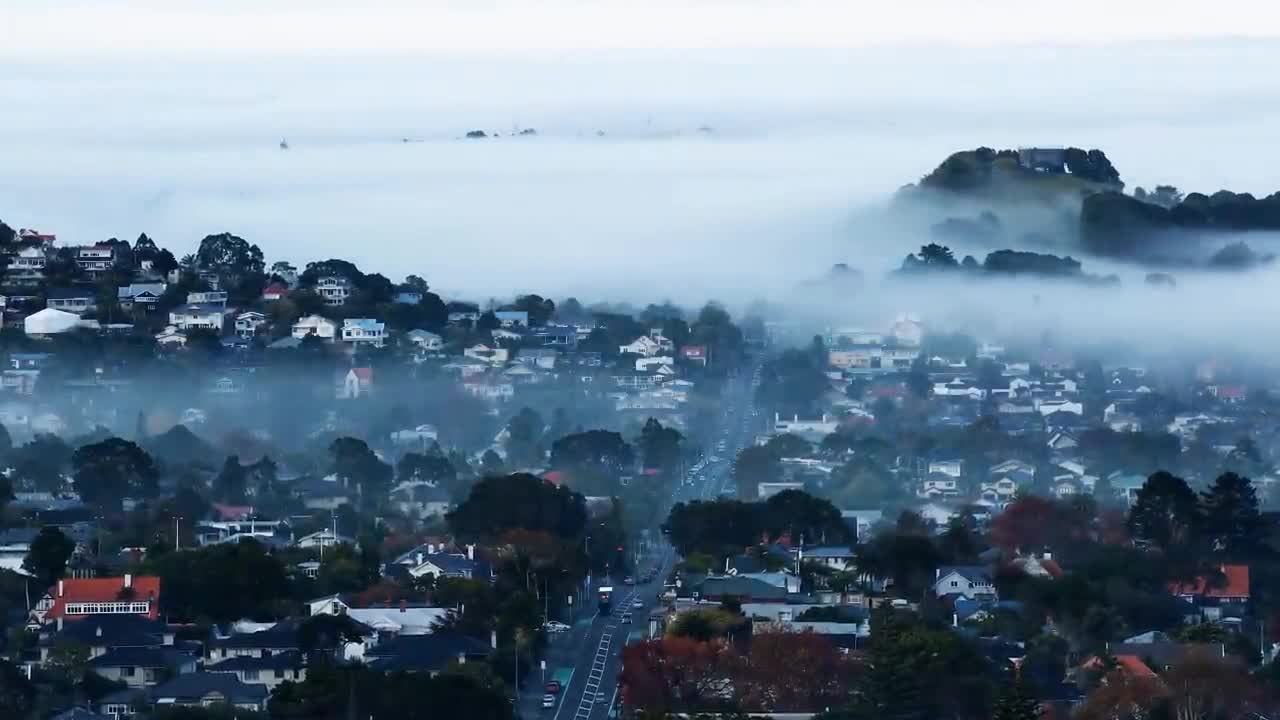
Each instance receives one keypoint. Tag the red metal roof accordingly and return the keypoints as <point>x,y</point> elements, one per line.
<point>108,589</point>
<point>1236,584</point>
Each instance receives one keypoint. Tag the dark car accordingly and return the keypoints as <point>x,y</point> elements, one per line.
<point>553,687</point>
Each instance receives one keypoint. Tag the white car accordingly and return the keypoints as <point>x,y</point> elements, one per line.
<point>637,604</point>
<point>548,701</point>
<point>555,627</point>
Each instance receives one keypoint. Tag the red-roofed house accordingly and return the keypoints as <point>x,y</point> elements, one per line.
<point>1231,587</point>
<point>77,598</point>
<point>1228,393</point>
<point>275,291</point>
<point>228,513</point>
<point>555,477</point>
<point>355,383</point>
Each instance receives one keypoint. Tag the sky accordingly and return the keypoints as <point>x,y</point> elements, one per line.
<point>685,150</point>
<point>486,26</point>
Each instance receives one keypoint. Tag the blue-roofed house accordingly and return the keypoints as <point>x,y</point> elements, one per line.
<point>140,667</point>
<point>428,560</point>
<point>209,688</point>
<point>364,332</point>
<point>557,336</point>
<point>1126,485</point>
<point>968,581</point>
<point>408,297</point>
<point>269,670</point>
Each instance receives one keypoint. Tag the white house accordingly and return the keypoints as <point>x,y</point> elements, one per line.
<point>822,426</point>
<point>1049,407</point>
<point>645,364</point>
<point>171,337</point>
<point>512,318</point>
<point>197,316</point>
<point>322,539</point>
<point>968,581</point>
<point>50,322</point>
<point>363,332</point>
<point>95,259</point>
<point>247,323</point>
<point>421,435</point>
<point>947,466</point>
<point>425,341</point>
<point>27,265</point>
<point>333,290</point>
<point>492,355</point>
<point>321,327</point>
<point>643,346</point>
<point>355,383</point>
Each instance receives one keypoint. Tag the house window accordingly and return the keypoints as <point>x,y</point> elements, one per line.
<point>250,675</point>
<point>126,671</point>
<point>279,674</point>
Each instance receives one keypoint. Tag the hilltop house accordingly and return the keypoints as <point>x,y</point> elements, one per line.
<point>95,259</point>
<point>321,327</point>
<point>971,582</point>
<point>197,317</point>
<point>425,341</point>
<point>355,383</point>
<point>333,290</point>
<point>644,346</point>
<point>247,323</point>
<point>27,265</point>
<point>361,332</point>
<point>274,291</point>
<point>72,300</point>
<point>144,295</point>
<point>512,318</point>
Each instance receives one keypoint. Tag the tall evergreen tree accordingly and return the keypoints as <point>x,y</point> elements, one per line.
<point>1014,703</point>
<point>1165,513</point>
<point>893,688</point>
<point>1232,525</point>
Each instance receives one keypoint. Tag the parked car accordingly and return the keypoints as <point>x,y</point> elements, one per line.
<point>552,687</point>
<point>628,580</point>
<point>555,627</point>
<point>548,701</point>
<point>637,604</point>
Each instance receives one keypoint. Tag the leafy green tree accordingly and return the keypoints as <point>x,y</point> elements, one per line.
<point>47,558</point>
<point>221,583</point>
<point>107,471</point>
<point>1165,513</point>
<point>807,519</point>
<point>354,463</point>
<point>524,439</point>
<point>503,503</point>
<point>659,446</point>
<point>601,449</point>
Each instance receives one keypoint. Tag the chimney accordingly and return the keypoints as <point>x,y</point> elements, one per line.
<point>98,632</point>
<point>471,552</point>
<point>61,589</point>
<point>493,639</point>
<point>128,580</point>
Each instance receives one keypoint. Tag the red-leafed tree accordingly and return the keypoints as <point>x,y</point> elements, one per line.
<point>793,672</point>
<point>675,674</point>
<point>1032,523</point>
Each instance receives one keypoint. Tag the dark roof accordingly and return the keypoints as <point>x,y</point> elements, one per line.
<point>424,653</point>
<point>193,687</point>
<point>79,713</point>
<point>18,535</point>
<point>147,657</point>
<point>66,293</point>
<point>283,636</point>
<point>113,631</point>
<point>972,573</point>
<point>1164,654</point>
<point>289,660</point>
<point>740,587</point>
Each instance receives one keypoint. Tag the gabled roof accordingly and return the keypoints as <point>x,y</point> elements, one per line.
<point>69,293</point>
<point>972,573</point>
<point>144,657</point>
<point>116,631</point>
<point>287,660</point>
<point>424,653</point>
<point>192,688</point>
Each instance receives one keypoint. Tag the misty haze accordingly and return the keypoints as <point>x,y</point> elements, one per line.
<point>568,360</point>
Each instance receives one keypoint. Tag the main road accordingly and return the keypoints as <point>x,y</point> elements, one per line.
<point>592,650</point>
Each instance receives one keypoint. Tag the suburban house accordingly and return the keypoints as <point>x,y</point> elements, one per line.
<point>643,346</point>
<point>144,295</point>
<point>333,290</point>
<point>425,341</point>
<point>72,300</point>
<point>694,354</point>
<point>27,265</point>
<point>78,598</point>
<point>1219,595</point>
<point>428,654</point>
<point>95,259</point>
<point>403,619</point>
<point>540,358</point>
<point>512,318</point>
<point>492,355</point>
<point>836,557</point>
<point>356,382</point>
<point>966,581</point>
<point>274,291</point>
<point>556,336</point>
<point>208,297</point>
<point>267,670</point>
<point>363,332</point>
<point>199,316</point>
<point>171,337</point>
<point>436,562</point>
<point>204,689</point>
<point>247,323</point>
<point>320,327</point>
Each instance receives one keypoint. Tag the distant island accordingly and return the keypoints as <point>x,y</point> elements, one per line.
<point>1075,199</point>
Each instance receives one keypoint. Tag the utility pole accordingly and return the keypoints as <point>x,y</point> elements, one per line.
<point>177,538</point>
